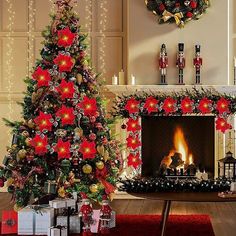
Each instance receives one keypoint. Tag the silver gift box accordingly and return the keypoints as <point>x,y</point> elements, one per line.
<point>74,223</point>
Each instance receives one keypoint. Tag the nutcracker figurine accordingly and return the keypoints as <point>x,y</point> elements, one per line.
<point>105,216</point>
<point>180,63</point>
<point>197,62</point>
<point>163,63</point>
<point>86,213</point>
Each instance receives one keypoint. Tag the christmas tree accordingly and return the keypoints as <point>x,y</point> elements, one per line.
<point>63,144</point>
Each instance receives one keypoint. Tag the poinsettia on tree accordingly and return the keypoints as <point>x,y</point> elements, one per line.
<point>64,136</point>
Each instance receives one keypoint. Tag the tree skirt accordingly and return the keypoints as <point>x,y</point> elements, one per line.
<point>177,225</point>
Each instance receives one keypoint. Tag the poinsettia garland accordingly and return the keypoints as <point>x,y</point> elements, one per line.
<point>197,102</point>
<point>176,11</point>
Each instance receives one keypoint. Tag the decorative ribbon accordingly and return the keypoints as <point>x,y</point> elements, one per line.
<point>166,15</point>
<point>109,188</point>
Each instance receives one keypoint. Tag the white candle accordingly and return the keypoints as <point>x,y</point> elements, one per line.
<point>234,61</point>
<point>132,80</point>
<point>115,80</point>
<point>121,77</point>
<point>199,174</point>
<point>204,175</point>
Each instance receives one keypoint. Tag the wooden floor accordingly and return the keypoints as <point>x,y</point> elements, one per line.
<point>223,215</point>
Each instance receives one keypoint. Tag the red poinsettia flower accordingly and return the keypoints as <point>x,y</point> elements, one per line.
<point>63,149</point>
<point>42,77</point>
<point>39,144</point>
<point>88,149</point>
<point>132,106</point>
<point>187,105</point>
<point>89,106</point>
<point>222,106</point>
<point>205,106</point>
<point>133,142</point>
<point>133,125</point>
<point>65,37</point>
<point>66,89</point>
<point>134,160</point>
<point>43,121</point>
<point>66,114</point>
<point>169,105</point>
<point>64,62</point>
<point>151,105</point>
<point>222,124</point>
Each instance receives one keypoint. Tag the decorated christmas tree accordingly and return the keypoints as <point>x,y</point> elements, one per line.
<point>63,144</point>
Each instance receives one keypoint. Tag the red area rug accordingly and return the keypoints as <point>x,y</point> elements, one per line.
<point>149,225</point>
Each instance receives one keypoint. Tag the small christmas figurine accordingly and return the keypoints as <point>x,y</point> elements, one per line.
<point>86,212</point>
<point>180,63</point>
<point>163,63</point>
<point>105,216</point>
<point>197,62</point>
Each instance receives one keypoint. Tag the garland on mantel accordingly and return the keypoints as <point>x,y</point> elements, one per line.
<point>195,102</point>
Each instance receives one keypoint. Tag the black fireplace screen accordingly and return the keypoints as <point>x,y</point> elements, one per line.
<point>164,138</point>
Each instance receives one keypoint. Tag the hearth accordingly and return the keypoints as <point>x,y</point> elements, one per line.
<point>178,146</point>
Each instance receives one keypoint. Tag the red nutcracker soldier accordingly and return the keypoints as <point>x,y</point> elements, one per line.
<point>105,216</point>
<point>180,63</point>
<point>197,62</point>
<point>86,212</point>
<point>163,63</point>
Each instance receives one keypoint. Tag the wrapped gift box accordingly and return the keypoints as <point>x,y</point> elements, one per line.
<point>57,231</point>
<point>31,222</point>
<point>50,187</point>
<point>62,203</point>
<point>43,220</point>
<point>112,222</point>
<point>9,222</point>
<point>96,219</point>
<point>75,225</point>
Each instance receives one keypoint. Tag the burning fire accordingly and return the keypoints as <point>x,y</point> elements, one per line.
<point>180,146</point>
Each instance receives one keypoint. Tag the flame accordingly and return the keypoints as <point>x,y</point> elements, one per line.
<point>180,143</point>
<point>190,159</point>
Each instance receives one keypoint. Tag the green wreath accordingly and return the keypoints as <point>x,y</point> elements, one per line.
<point>177,11</point>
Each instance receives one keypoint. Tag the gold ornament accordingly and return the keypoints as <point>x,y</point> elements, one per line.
<point>61,192</point>
<point>87,169</point>
<point>25,133</point>
<point>93,188</point>
<point>10,181</point>
<point>31,123</point>
<point>28,141</point>
<point>79,78</point>
<point>100,165</point>
<point>78,132</point>
<point>101,150</point>
<point>21,154</point>
<point>106,156</point>
<point>166,15</point>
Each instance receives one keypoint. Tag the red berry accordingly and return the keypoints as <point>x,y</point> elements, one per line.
<point>189,14</point>
<point>193,4</point>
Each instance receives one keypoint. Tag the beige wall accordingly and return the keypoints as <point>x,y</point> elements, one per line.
<point>146,36</point>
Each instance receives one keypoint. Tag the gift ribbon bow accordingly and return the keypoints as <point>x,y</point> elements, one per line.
<point>166,15</point>
<point>9,222</point>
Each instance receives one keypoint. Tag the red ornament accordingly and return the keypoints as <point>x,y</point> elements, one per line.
<point>42,77</point>
<point>99,126</point>
<point>162,7</point>
<point>133,125</point>
<point>66,89</point>
<point>43,121</point>
<point>222,106</point>
<point>133,142</point>
<point>65,37</point>
<point>92,136</point>
<point>89,106</point>
<point>189,14</point>
<point>151,105</point>
<point>205,106</point>
<point>88,149</point>
<point>63,149</point>
<point>187,105</point>
<point>169,105</point>
<point>193,4</point>
<point>64,62</point>
<point>39,144</point>
<point>134,160</point>
<point>132,106</point>
<point>1,182</point>
<point>66,114</point>
<point>222,124</point>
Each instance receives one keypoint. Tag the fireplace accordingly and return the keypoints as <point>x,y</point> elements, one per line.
<point>178,145</point>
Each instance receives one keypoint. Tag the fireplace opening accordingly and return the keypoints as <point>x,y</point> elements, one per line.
<point>178,145</point>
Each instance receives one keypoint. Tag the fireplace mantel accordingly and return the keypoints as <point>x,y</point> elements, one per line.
<point>129,89</point>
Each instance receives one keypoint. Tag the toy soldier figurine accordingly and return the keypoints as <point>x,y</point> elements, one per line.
<point>180,63</point>
<point>86,213</point>
<point>105,216</point>
<point>163,63</point>
<point>197,62</point>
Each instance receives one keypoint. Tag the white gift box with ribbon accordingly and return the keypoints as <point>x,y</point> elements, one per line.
<point>57,231</point>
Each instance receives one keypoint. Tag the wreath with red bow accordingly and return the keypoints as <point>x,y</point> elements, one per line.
<point>177,11</point>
